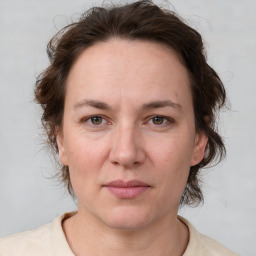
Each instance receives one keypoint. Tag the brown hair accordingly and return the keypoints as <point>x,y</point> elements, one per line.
<point>141,20</point>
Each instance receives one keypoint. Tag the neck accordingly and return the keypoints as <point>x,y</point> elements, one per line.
<point>85,236</point>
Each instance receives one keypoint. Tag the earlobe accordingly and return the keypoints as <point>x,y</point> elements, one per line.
<point>199,148</point>
<point>61,147</point>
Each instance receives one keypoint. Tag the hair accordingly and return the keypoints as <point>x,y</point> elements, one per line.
<point>141,20</point>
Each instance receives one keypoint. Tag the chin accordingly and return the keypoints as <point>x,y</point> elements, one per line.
<point>127,218</point>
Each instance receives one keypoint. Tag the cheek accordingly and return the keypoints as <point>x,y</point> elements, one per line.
<point>84,151</point>
<point>85,158</point>
<point>175,150</point>
<point>172,159</point>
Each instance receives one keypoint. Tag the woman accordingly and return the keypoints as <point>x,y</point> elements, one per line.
<point>129,105</point>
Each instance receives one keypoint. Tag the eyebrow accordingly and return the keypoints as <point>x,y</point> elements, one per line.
<point>161,104</point>
<point>92,103</point>
<point>151,105</point>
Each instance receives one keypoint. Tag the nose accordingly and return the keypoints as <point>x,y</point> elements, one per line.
<point>126,147</point>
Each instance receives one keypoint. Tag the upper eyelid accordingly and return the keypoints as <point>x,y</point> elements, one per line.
<point>94,115</point>
<point>162,116</point>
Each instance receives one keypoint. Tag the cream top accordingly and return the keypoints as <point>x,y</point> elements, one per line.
<point>50,240</point>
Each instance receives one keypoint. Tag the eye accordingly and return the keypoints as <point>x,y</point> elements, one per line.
<point>95,120</point>
<point>160,120</point>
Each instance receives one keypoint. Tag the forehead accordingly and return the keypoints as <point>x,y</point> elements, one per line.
<point>127,69</point>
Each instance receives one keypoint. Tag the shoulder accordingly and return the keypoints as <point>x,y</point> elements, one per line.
<point>202,245</point>
<point>47,240</point>
<point>26,243</point>
<point>213,247</point>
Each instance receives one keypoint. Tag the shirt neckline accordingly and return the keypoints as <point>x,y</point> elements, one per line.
<point>61,247</point>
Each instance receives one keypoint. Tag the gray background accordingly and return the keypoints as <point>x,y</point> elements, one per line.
<point>28,198</point>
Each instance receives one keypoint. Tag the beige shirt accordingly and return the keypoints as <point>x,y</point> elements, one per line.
<point>50,240</point>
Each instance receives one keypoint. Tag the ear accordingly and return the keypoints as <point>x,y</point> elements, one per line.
<point>199,148</point>
<point>61,146</point>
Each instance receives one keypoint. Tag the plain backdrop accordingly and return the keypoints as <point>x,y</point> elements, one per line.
<point>29,198</point>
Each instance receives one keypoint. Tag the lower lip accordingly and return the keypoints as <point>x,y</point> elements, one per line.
<point>127,193</point>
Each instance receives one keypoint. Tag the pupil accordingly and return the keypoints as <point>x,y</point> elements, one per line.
<point>97,120</point>
<point>158,120</point>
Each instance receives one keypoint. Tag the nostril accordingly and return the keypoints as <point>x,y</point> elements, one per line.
<point>126,164</point>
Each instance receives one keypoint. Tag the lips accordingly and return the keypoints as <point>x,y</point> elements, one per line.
<point>127,190</point>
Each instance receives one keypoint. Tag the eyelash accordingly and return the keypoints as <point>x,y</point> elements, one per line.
<point>166,120</point>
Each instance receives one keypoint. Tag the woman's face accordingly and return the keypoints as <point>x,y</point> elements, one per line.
<point>128,132</point>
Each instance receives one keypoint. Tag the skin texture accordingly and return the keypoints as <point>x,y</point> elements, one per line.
<point>125,142</point>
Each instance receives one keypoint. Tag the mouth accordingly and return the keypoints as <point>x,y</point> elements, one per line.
<point>127,190</point>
